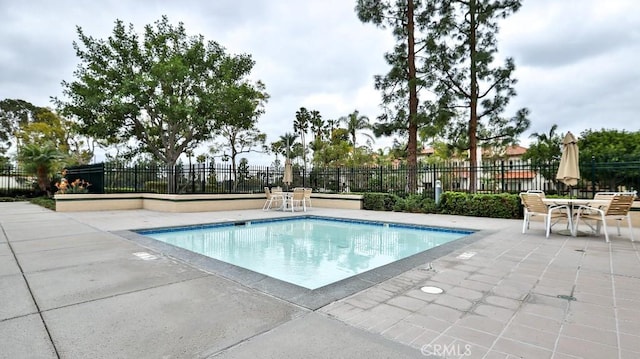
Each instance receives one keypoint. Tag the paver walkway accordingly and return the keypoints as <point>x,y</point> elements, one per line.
<point>72,288</point>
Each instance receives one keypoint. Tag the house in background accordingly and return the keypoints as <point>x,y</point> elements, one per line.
<point>499,169</point>
<point>509,171</point>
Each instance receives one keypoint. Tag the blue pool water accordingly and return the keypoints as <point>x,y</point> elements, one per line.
<point>308,252</point>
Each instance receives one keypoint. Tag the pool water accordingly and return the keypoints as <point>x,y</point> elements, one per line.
<point>308,252</point>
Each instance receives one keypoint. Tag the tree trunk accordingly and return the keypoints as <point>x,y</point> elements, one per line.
<point>473,113</point>
<point>412,158</point>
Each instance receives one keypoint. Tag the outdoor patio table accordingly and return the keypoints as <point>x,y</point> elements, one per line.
<point>575,202</point>
<point>285,197</point>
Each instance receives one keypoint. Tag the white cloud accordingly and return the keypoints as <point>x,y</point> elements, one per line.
<point>576,59</point>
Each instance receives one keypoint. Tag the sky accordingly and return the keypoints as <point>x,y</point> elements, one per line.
<point>576,60</point>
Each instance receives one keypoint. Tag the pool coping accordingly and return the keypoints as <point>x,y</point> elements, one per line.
<point>304,297</point>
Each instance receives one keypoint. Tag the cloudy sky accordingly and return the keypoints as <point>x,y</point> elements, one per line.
<point>576,59</point>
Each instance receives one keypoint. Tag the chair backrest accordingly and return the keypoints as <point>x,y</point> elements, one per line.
<point>307,193</point>
<point>533,202</point>
<point>538,191</point>
<point>298,194</point>
<point>604,195</point>
<point>620,204</point>
<point>276,190</point>
<point>267,192</point>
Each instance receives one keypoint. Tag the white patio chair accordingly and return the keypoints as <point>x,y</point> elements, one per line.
<point>618,209</point>
<point>552,214</point>
<point>272,197</point>
<point>307,197</point>
<point>539,191</point>
<point>297,198</point>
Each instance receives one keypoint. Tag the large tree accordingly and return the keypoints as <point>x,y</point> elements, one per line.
<point>473,90</point>
<point>615,152</point>
<point>404,113</point>
<point>22,123</point>
<point>163,93</point>
<point>14,114</point>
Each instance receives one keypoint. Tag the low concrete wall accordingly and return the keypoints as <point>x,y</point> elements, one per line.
<point>187,202</point>
<point>339,201</point>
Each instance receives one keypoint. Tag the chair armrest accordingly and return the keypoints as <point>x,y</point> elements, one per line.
<point>589,209</point>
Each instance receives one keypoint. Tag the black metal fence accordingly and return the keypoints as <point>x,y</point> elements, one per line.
<point>15,181</point>
<point>495,177</point>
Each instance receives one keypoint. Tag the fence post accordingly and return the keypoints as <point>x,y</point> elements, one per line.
<point>192,174</point>
<point>231,177</point>
<point>503,183</point>
<point>593,176</point>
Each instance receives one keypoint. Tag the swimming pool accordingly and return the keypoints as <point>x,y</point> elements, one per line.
<point>310,252</point>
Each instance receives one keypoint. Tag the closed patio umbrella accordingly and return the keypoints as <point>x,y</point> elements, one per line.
<point>569,168</point>
<point>288,172</point>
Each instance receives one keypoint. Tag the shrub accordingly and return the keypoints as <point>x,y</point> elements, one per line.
<point>481,205</point>
<point>155,186</point>
<point>46,202</point>
<point>77,186</point>
<point>411,203</point>
<point>429,205</point>
<point>379,201</point>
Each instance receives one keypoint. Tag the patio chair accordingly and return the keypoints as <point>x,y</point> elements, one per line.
<point>552,214</point>
<point>298,199</point>
<point>272,197</point>
<point>539,191</point>
<point>618,209</point>
<point>307,197</point>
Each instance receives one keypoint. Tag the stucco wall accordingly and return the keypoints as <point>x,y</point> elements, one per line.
<point>187,203</point>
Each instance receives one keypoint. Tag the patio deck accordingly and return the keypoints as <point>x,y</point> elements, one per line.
<point>72,287</point>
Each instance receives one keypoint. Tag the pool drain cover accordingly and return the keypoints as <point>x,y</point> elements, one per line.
<point>432,290</point>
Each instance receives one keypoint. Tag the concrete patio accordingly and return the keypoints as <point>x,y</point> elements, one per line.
<point>72,286</point>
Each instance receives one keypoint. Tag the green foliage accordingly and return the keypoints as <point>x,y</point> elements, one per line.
<point>78,186</point>
<point>473,91</point>
<point>13,115</point>
<point>23,123</point>
<point>455,203</point>
<point>609,145</point>
<point>155,186</point>
<point>411,203</point>
<point>609,148</point>
<point>40,160</point>
<point>403,114</point>
<point>379,201</point>
<point>166,90</point>
<point>46,202</point>
<point>546,149</point>
<point>481,205</point>
<point>356,122</point>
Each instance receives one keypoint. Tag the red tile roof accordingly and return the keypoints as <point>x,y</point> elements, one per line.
<point>518,175</point>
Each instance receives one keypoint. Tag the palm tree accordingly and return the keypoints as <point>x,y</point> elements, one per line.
<point>356,122</point>
<point>317,125</point>
<point>543,137</point>
<point>301,126</point>
<point>547,146</point>
<point>40,160</point>
<point>287,140</point>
